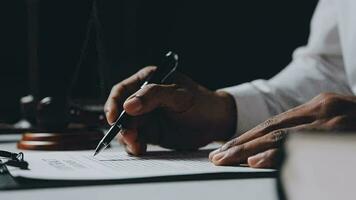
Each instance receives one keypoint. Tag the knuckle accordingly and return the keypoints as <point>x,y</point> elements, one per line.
<point>235,141</point>
<point>229,144</point>
<point>330,104</point>
<point>324,95</point>
<point>118,88</point>
<point>277,137</point>
<point>269,123</point>
<point>329,100</point>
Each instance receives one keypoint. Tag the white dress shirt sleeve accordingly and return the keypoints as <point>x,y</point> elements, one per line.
<point>315,68</point>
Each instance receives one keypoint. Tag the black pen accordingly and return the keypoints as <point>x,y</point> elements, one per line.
<point>168,65</point>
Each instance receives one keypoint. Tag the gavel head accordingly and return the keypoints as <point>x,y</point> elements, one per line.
<point>52,114</point>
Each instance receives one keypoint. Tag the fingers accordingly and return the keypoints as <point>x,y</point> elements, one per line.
<point>290,119</point>
<point>122,90</point>
<point>238,154</point>
<point>129,138</point>
<point>234,152</point>
<point>152,96</point>
<point>258,146</point>
<point>266,159</point>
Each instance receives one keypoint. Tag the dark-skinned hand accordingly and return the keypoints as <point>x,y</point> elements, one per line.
<point>259,146</point>
<point>180,116</point>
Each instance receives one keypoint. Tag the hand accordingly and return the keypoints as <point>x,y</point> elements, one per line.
<point>259,146</point>
<point>183,115</point>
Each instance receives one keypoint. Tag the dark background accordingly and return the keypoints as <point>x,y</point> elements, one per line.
<point>220,43</point>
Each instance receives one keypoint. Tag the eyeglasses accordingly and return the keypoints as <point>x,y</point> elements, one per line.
<point>13,159</point>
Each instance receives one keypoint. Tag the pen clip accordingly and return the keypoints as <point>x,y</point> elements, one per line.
<point>175,65</point>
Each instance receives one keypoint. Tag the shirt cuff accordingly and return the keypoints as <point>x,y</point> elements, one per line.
<point>250,104</point>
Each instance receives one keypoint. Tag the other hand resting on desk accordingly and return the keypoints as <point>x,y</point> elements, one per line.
<point>259,146</point>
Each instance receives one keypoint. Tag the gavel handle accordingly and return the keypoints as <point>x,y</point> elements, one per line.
<point>33,35</point>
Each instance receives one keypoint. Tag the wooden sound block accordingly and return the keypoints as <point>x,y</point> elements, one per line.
<point>63,140</point>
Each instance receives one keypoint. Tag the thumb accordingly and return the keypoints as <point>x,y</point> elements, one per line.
<point>153,96</point>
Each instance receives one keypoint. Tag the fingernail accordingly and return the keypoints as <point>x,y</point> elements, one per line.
<point>256,159</point>
<point>129,148</point>
<point>218,157</point>
<point>211,154</point>
<point>133,105</point>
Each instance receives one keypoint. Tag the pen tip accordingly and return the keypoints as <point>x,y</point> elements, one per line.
<point>99,148</point>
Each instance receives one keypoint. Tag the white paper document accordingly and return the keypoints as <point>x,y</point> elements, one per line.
<point>109,165</point>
